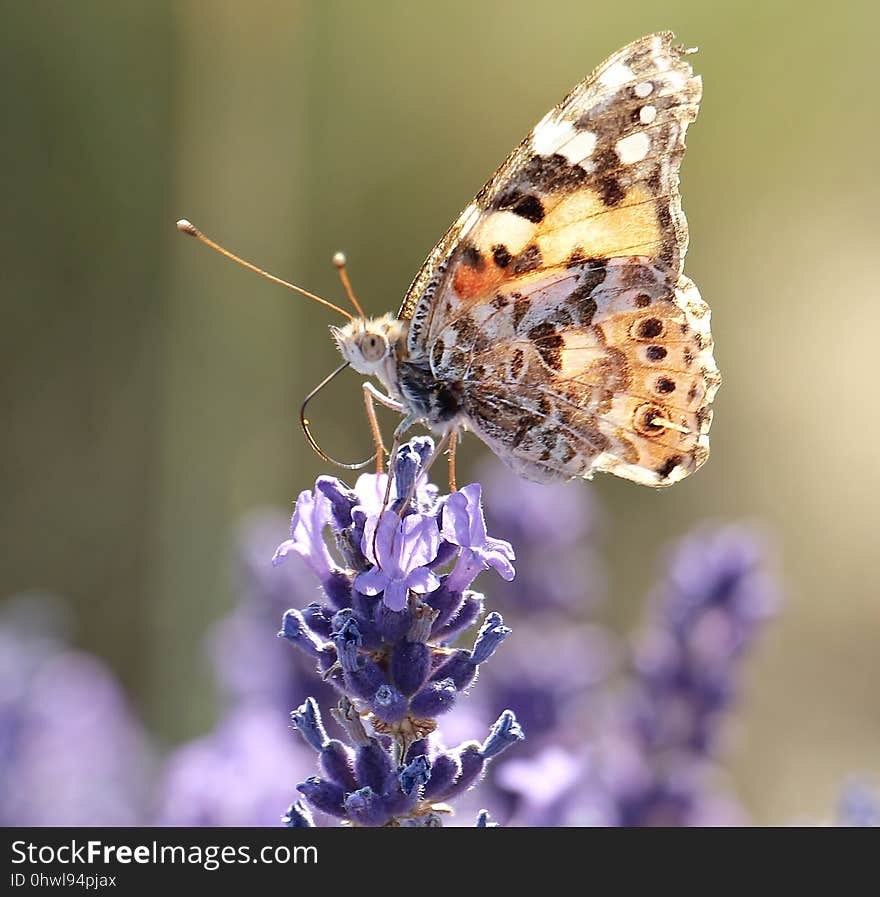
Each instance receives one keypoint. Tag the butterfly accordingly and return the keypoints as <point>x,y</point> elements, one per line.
<point>553,319</point>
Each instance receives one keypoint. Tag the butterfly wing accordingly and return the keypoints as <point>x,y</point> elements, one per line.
<point>603,366</point>
<point>587,203</point>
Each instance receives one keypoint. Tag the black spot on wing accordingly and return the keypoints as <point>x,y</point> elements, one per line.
<point>528,260</point>
<point>530,208</point>
<point>650,328</point>
<point>471,257</point>
<point>501,256</point>
<point>576,259</point>
<point>553,174</point>
<point>593,274</point>
<point>668,466</point>
<point>580,299</point>
<point>526,205</point>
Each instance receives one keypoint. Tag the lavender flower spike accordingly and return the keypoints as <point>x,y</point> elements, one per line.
<point>381,638</point>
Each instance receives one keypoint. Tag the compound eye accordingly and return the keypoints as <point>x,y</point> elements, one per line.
<point>373,347</point>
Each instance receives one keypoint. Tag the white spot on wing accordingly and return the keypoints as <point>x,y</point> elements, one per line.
<point>550,134</point>
<point>615,75</point>
<point>633,148</point>
<point>580,147</point>
<point>507,229</point>
<point>643,89</point>
<point>647,114</point>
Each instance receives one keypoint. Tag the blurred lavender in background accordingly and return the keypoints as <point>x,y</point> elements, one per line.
<point>71,750</point>
<point>858,805</point>
<point>617,735</point>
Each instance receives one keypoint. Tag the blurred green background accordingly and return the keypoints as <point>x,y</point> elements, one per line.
<point>149,389</point>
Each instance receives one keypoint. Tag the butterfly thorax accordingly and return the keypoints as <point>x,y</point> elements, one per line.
<point>378,348</point>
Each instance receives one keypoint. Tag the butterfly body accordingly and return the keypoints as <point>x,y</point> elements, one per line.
<point>553,319</point>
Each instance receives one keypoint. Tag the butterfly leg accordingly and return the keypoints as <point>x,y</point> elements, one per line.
<point>372,394</point>
<point>382,399</point>
<point>453,444</point>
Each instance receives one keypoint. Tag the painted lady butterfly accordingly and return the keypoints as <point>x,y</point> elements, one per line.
<point>553,319</point>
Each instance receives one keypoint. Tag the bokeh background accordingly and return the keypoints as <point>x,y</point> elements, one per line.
<point>150,390</point>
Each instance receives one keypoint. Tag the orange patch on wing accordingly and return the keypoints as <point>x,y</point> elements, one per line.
<point>470,282</point>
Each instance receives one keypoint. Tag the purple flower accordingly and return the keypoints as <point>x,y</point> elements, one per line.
<point>400,548</point>
<point>380,640</point>
<point>311,516</point>
<point>465,526</point>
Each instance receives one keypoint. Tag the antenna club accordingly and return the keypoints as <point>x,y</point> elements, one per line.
<point>338,258</point>
<point>187,227</point>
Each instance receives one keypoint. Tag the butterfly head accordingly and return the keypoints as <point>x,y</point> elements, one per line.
<point>369,344</point>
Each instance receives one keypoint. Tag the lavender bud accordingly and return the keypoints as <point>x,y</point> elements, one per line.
<point>504,733</point>
<point>365,807</point>
<point>445,768</point>
<point>434,699</point>
<point>389,704</point>
<point>372,766</point>
<point>416,773</point>
<point>337,764</point>
<point>469,611</point>
<point>472,764</point>
<point>296,631</point>
<point>323,795</point>
<point>342,500</point>
<point>307,720</point>
<point>410,665</point>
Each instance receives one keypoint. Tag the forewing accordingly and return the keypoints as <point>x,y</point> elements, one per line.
<point>597,178</point>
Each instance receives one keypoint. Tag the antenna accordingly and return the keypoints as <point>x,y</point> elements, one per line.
<point>339,261</point>
<point>187,227</point>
